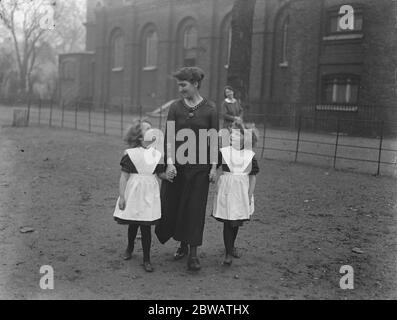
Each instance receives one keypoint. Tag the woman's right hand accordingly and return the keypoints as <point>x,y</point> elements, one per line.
<point>121,203</point>
<point>170,172</point>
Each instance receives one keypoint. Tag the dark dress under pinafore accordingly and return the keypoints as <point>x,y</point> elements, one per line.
<point>184,201</point>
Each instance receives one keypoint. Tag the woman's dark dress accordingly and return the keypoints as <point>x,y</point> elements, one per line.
<point>231,110</point>
<point>184,201</point>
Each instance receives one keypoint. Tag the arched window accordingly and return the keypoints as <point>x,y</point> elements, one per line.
<point>117,56</point>
<point>284,43</point>
<point>190,41</point>
<point>151,49</point>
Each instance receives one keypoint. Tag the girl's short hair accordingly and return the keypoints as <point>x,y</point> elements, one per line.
<point>245,128</point>
<point>230,88</point>
<point>134,136</point>
<point>191,74</point>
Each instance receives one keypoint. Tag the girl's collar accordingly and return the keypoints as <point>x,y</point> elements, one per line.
<point>230,100</point>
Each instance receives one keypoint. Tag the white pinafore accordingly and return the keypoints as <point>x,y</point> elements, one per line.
<point>142,194</point>
<point>231,200</point>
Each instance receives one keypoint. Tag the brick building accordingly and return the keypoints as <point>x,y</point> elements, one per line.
<point>299,53</point>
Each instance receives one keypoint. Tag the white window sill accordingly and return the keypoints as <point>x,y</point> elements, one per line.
<point>117,69</point>
<point>149,68</point>
<point>283,64</point>
<point>344,37</point>
<point>335,107</point>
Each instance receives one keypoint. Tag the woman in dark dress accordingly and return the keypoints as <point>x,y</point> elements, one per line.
<point>231,108</point>
<point>184,198</point>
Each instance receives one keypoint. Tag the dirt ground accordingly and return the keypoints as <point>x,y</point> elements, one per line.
<point>64,185</point>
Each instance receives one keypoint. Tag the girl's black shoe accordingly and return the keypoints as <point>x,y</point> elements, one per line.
<point>193,264</point>
<point>236,253</point>
<point>128,254</point>
<point>148,267</point>
<point>180,253</point>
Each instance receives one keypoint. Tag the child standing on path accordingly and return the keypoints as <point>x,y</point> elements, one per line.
<point>234,200</point>
<point>138,205</point>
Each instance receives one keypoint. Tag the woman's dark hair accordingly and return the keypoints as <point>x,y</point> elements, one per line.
<point>191,74</point>
<point>230,88</point>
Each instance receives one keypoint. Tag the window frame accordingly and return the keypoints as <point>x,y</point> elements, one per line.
<point>338,79</point>
<point>186,49</point>
<point>117,51</point>
<point>68,70</point>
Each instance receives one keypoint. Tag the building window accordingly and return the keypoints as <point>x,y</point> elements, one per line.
<point>190,41</point>
<point>151,50</point>
<point>118,52</point>
<point>284,43</point>
<point>68,70</point>
<point>334,25</point>
<point>340,89</point>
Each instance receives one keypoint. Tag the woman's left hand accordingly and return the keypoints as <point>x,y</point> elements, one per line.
<point>212,175</point>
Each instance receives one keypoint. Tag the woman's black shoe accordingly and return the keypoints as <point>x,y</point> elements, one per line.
<point>181,253</point>
<point>193,264</point>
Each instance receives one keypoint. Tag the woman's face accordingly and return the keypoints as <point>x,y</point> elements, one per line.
<point>229,93</point>
<point>186,89</point>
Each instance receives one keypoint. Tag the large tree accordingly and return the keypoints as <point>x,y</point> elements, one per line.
<point>35,25</point>
<point>240,59</point>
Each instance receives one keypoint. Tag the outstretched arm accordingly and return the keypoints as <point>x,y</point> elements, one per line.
<point>123,184</point>
<point>251,188</point>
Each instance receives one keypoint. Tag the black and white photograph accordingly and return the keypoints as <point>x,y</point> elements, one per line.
<point>213,151</point>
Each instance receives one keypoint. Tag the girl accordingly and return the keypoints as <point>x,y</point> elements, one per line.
<point>234,200</point>
<point>138,204</point>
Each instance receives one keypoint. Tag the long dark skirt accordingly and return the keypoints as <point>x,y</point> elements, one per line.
<point>183,206</point>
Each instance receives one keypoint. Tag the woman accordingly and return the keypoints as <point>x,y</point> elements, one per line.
<point>184,197</point>
<point>231,108</point>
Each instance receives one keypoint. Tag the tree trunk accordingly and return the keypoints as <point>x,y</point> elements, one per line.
<point>240,58</point>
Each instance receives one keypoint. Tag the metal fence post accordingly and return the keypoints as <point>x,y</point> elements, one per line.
<point>89,116</point>
<point>337,140</point>
<point>160,119</point>
<point>264,136</point>
<point>75,115</point>
<point>51,103</point>
<point>63,112</point>
<point>104,118</point>
<point>39,110</point>
<point>122,120</point>
<point>380,145</point>
<point>298,138</point>
<point>29,105</point>
<point>140,112</point>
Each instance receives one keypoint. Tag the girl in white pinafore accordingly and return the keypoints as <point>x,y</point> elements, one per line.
<point>138,204</point>
<point>234,199</point>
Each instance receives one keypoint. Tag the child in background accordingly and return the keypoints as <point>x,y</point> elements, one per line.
<point>234,200</point>
<point>138,205</point>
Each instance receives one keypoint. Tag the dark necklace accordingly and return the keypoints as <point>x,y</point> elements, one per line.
<point>192,109</point>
